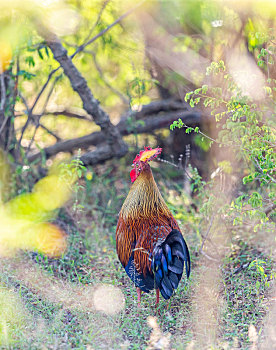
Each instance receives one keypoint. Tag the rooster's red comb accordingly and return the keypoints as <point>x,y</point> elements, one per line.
<point>147,154</point>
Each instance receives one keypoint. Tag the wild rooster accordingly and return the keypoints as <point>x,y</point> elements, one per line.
<point>149,243</point>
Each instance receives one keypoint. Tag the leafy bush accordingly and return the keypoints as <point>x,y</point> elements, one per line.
<point>246,127</point>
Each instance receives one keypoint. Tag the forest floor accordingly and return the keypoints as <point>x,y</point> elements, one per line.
<point>84,299</point>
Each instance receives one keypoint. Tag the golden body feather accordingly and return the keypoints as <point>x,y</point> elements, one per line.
<point>143,220</point>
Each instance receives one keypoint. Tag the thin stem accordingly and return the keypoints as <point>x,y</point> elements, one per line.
<point>30,110</point>
<point>207,233</point>
<point>106,29</point>
<point>44,87</point>
<point>2,104</point>
<point>50,132</point>
<point>105,3</point>
<point>3,92</point>
<point>43,110</point>
<point>260,168</point>
<point>123,98</point>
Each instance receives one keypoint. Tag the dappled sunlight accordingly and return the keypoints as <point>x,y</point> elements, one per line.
<point>108,299</point>
<point>157,340</point>
<point>102,302</point>
<point>103,298</point>
<point>12,316</point>
<point>83,86</point>
<point>246,74</point>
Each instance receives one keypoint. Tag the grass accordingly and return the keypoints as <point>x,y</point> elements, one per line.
<point>247,275</point>
<point>56,297</point>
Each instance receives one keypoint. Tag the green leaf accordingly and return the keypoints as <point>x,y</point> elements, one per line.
<point>255,200</point>
<point>204,89</point>
<point>46,51</point>
<point>30,61</point>
<point>40,54</point>
<point>197,91</point>
<point>197,100</point>
<point>188,96</point>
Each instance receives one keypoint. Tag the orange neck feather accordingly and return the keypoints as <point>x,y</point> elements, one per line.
<point>144,199</point>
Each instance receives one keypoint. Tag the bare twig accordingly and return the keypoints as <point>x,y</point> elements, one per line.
<point>43,88</point>
<point>105,3</point>
<point>2,103</point>
<point>50,132</point>
<point>209,257</point>
<point>117,92</point>
<point>206,234</point>
<point>28,118</point>
<point>201,133</point>
<point>72,113</point>
<point>43,109</point>
<point>30,110</point>
<point>81,47</point>
<point>24,102</point>
<point>3,92</point>
<point>261,170</point>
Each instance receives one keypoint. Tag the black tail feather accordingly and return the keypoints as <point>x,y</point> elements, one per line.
<point>168,260</point>
<point>174,279</point>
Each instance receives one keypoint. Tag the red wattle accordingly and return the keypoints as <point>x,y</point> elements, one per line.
<point>133,176</point>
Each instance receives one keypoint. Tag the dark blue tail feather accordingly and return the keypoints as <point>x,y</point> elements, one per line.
<point>145,283</point>
<point>168,260</point>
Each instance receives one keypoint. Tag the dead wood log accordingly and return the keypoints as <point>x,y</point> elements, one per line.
<point>146,125</point>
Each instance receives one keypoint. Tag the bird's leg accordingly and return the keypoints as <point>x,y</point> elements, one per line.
<point>138,296</point>
<point>157,297</point>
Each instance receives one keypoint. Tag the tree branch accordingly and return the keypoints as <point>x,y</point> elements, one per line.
<point>43,110</point>
<point>105,3</point>
<point>270,209</point>
<point>126,126</point>
<point>72,113</point>
<point>82,47</point>
<point>2,103</point>
<point>43,31</point>
<point>3,92</point>
<point>50,132</point>
<point>90,103</point>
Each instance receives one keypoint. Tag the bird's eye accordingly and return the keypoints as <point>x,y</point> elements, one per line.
<point>139,169</point>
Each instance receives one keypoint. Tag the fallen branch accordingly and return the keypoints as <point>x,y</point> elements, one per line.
<point>71,113</point>
<point>126,127</point>
<point>270,209</point>
<point>101,154</point>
